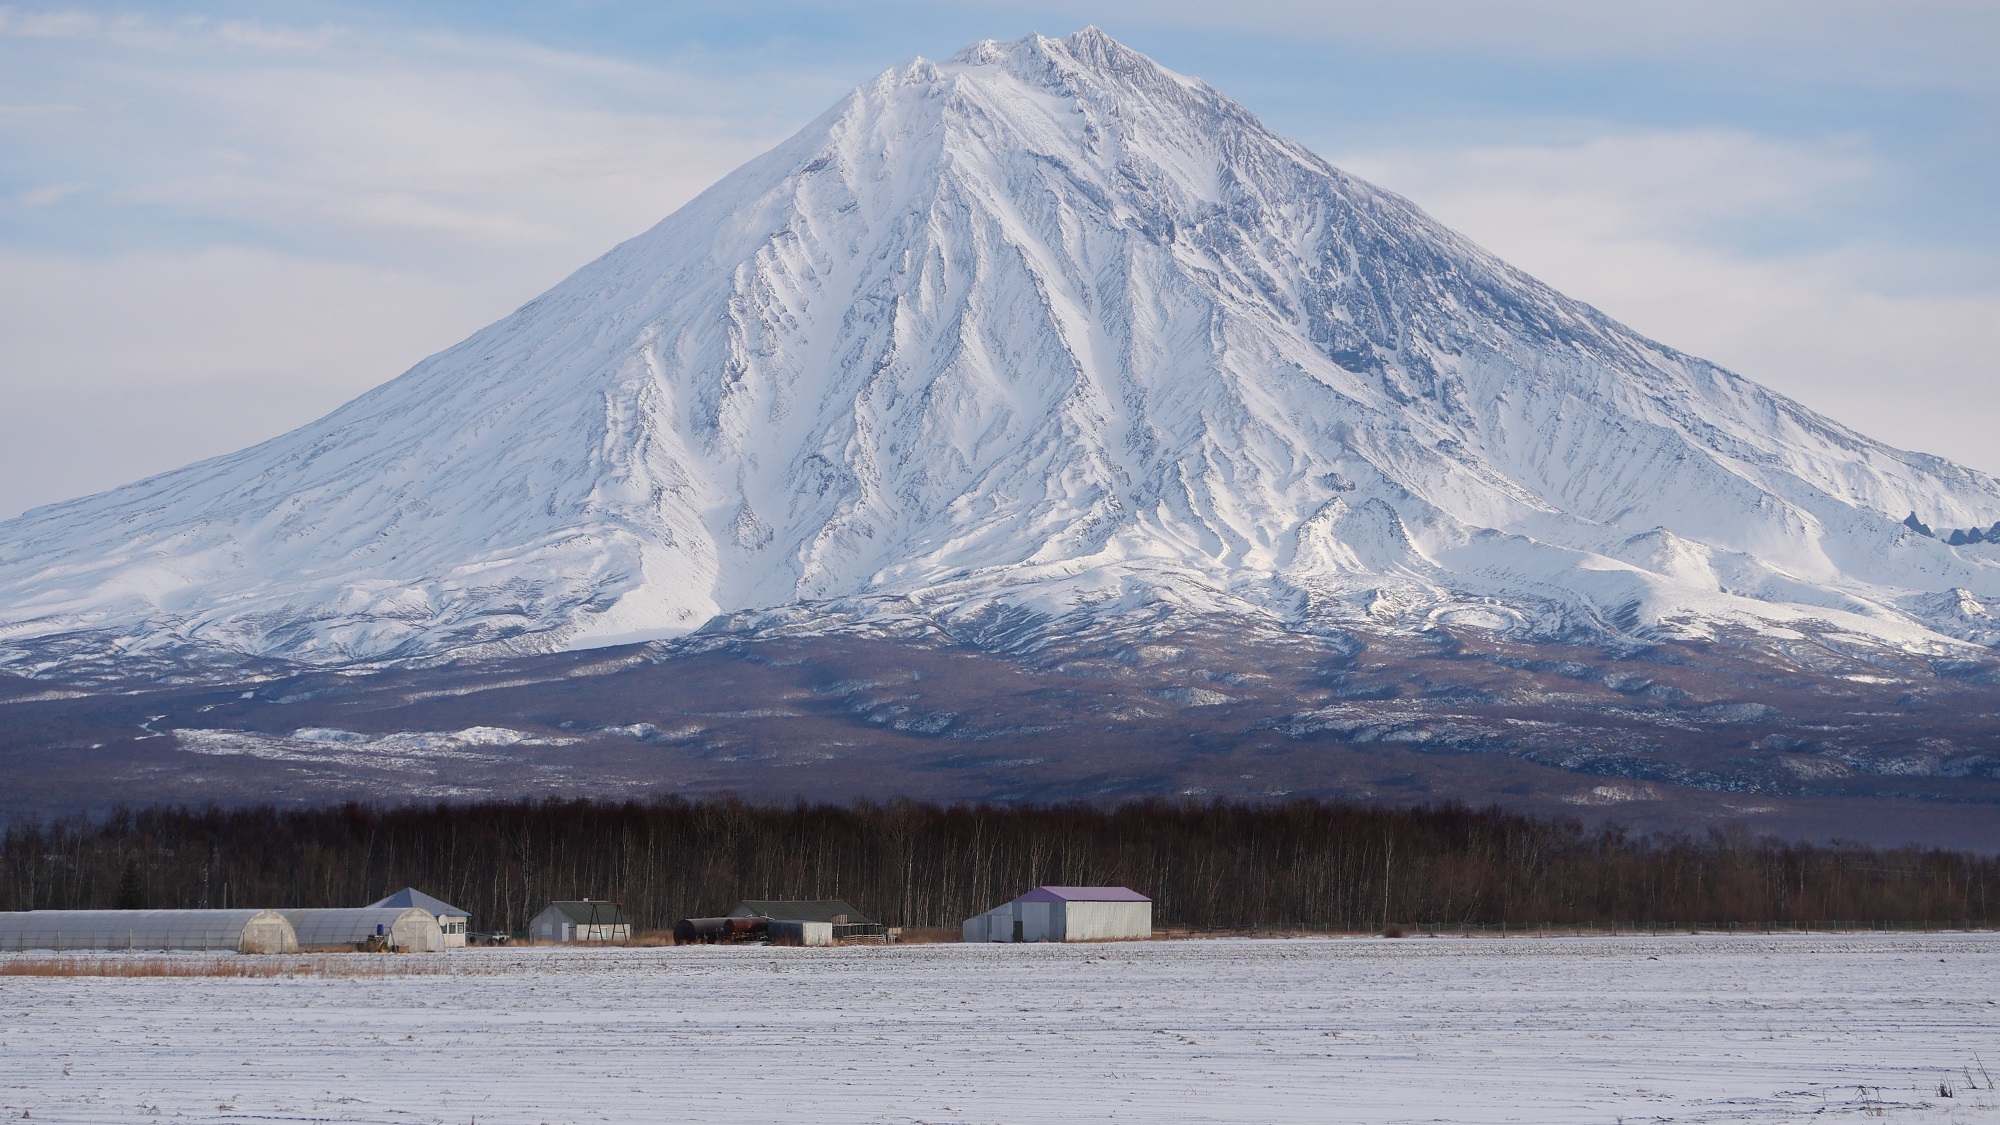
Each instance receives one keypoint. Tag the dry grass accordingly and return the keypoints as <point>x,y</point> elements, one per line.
<point>928,935</point>
<point>227,965</point>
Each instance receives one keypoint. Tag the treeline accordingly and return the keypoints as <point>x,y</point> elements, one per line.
<point>1298,863</point>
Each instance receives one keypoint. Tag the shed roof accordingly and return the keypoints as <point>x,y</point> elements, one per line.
<point>800,910</point>
<point>591,911</point>
<point>411,896</point>
<point>1083,894</point>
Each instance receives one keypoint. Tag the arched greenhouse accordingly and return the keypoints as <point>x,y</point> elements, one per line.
<point>243,931</point>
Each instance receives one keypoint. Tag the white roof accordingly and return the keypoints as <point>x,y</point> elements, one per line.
<point>1083,894</point>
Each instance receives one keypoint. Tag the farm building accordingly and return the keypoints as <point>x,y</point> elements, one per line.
<point>451,920</point>
<point>410,929</point>
<point>1067,914</point>
<point>245,931</point>
<point>784,932</point>
<point>846,921</point>
<point>581,920</point>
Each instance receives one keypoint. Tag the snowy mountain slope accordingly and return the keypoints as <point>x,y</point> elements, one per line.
<point>1048,327</point>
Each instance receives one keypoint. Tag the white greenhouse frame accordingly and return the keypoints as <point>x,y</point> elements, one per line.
<point>241,931</point>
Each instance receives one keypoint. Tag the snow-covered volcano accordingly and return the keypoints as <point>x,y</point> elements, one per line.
<point>1046,327</point>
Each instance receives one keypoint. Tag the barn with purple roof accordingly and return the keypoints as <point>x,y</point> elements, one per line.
<point>1067,914</point>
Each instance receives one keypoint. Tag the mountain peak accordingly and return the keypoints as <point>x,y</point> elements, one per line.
<point>1045,331</point>
<point>1089,54</point>
<point>1088,44</point>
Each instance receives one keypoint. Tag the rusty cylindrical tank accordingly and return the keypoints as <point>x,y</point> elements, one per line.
<point>708,931</point>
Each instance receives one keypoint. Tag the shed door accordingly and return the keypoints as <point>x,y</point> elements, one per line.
<point>1035,921</point>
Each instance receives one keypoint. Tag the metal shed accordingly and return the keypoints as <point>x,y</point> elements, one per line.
<point>581,920</point>
<point>847,922</point>
<point>451,920</point>
<point>1066,914</point>
<point>244,931</point>
<point>409,930</point>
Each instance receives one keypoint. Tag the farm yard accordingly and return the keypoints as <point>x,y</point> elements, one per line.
<point>1708,1028</point>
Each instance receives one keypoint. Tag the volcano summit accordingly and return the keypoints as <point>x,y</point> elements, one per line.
<point>1041,341</point>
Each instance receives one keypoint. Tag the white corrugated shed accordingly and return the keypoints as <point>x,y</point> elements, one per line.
<point>410,928</point>
<point>244,931</point>
<point>1066,914</point>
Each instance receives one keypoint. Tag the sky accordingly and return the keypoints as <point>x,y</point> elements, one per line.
<point>219,221</point>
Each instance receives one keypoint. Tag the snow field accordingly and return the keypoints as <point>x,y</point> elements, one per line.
<point>1683,1029</point>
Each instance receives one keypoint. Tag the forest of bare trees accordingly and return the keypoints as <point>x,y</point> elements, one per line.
<point>1301,863</point>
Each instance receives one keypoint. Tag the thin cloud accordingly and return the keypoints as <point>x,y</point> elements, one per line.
<point>1923,43</point>
<point>119,367</point>
<point>296,218</point>
<point>47,194</point>
<point>148,33</point>
<point>380,139</point>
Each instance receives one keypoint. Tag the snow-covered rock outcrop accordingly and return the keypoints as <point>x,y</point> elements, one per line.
<point>1046,327</point>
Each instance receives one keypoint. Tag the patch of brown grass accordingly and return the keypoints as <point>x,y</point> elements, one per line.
<point>928,935</point>
<point>228,965</point>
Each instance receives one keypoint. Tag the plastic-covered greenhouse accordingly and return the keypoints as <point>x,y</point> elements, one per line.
<point>406,928</point>
<point>244,931</point>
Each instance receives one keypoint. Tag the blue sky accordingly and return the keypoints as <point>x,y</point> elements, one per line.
<point>218,221</point>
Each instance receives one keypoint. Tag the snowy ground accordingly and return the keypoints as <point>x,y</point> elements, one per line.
<point>1680,1028</point>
